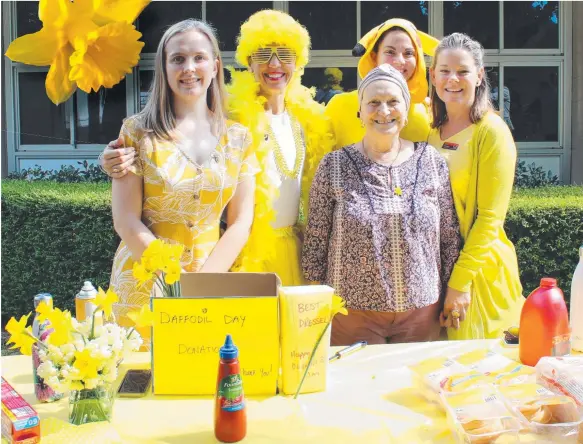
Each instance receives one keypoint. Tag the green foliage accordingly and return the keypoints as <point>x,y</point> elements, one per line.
<point>55,236</point>
<point>546,226</point>
<point>533,176</point>
<point>66,174</point>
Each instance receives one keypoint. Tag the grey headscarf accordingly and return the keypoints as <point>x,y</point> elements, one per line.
<point>385,72</point>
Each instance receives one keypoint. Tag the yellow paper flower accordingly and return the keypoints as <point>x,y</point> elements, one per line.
<point>86,365</point>
<point>104,301</point>
<point>142,318</point>
<point>87,43</point>
<point>20,335</point>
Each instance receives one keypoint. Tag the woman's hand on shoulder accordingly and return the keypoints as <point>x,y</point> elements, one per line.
<point>116,159</point>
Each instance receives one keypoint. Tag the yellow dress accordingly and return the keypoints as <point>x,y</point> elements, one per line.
<point>182,203</point>
<point>482,175</point>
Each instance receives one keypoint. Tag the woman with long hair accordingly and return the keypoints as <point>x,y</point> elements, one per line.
<point>190,164</point>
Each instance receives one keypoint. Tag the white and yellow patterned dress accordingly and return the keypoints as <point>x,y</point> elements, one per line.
<point>182,203</point>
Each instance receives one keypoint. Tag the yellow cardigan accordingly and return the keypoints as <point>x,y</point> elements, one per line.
<point>342,111</point>
<point>487,265</point>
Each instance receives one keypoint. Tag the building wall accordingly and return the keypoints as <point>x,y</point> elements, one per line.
<point>533,54</point>
<point>577,105</point>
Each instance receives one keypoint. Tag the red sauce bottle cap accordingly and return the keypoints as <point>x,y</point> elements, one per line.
<point>548,282</point>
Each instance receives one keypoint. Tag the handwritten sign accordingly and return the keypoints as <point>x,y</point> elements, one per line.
<point>188,333</point>
<point>305,311</point>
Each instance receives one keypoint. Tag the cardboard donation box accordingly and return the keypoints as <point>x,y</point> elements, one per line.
<point>305,311</point>
<point>189,331</point>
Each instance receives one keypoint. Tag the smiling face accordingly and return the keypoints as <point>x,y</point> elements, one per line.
<point>397,49</point>
<point>190,65</point>
<point>383,109</point>
<point>274,75</point>
<point>456,77</point>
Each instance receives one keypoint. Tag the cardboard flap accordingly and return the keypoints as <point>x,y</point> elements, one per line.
<point>216,285</point>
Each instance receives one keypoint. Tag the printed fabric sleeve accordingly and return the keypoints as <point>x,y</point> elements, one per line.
<point>496,165</point>
<point>249,163</point>
<point>320,220</point>
<point>131,134</point>
<point>449,236</point>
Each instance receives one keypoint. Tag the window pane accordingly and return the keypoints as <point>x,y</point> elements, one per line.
<point>41,121</point>
<point>479,20</point>
<point>533,102</point>
<point>332,25</point>
<point>323,81</point>
<point>492,72</point>
<point>531,25</point>
<point>374,13</point>
<point>27,20</point>
<point>160,15</point>
<point>99,115</point>
<point>227,18</point>
<point>146,78</point>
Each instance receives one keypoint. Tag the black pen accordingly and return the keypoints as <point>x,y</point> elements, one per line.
<point>346,351</point>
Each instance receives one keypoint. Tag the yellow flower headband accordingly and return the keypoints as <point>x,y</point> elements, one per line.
<point>272,27</point>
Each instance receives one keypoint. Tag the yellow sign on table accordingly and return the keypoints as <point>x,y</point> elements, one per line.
<point>305,312</point>
<point>189,331</point>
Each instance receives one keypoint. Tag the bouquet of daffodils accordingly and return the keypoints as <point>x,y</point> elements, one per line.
<point>79,355</point>
<point>160,262</point>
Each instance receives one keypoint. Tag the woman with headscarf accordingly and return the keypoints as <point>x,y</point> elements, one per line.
<point>398,43</point>
<point>382,228</point>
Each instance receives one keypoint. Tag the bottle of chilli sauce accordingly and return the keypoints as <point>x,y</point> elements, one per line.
<point>230,414</point>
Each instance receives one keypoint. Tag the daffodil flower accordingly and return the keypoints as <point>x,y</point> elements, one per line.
<point>44,311</point>
<point>105,300</point>
<point>86,365</point>
<point>62,326</point>
<point>21,335</point>
<point>87,43</point>
<point>160,261</point>
<point>142,318</point>
<point>338,306</point>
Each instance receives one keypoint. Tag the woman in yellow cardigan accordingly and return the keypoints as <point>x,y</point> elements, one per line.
<point>398,43</point>
<point>484,294</point>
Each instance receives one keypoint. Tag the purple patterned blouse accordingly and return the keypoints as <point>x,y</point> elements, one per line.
<point>396,257</point>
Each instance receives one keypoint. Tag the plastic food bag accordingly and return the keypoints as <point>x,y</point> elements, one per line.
<point>481,416</point>
<point>550,417</point>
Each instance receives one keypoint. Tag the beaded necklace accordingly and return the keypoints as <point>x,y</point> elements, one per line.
<point>278,152</point>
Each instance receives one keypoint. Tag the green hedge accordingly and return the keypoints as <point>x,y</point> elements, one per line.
<point>55,236</point>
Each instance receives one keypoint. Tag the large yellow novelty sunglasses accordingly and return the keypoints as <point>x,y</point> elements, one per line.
<point>283,53</point>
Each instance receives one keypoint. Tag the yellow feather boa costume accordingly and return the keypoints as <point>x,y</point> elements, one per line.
<point>247,106</point>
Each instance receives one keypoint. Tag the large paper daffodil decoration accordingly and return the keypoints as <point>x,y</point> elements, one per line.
<point>87,43</point>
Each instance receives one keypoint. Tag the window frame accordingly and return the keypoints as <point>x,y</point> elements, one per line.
<point>501,58</point>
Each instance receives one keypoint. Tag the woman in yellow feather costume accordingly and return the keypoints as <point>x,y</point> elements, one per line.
<point>290,132</point>
<point>292,136</point>
<point>398,43</point>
